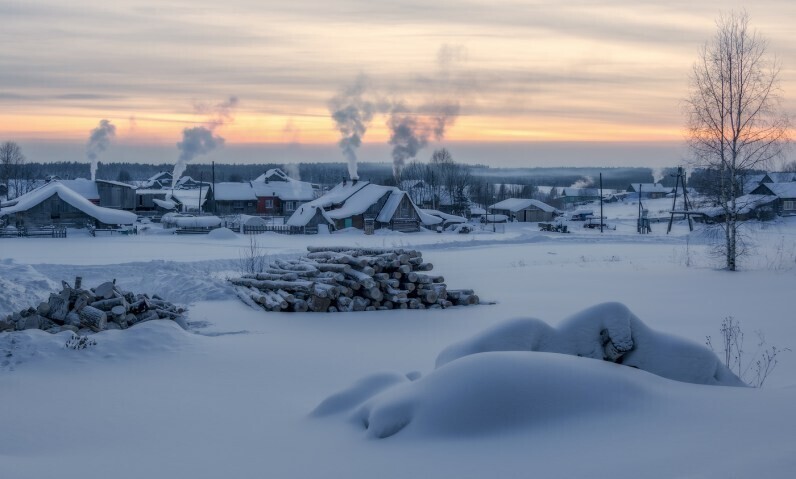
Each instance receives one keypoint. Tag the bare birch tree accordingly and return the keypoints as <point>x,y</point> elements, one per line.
<point>735,122</point>
<point>12,172</point>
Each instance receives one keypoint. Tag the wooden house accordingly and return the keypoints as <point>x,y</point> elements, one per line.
<point>785,193</point>
<point>56,204</point>
<point>572,195</point>
<point>353,204</point>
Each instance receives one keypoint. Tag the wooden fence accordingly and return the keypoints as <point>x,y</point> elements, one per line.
<point>281,229</point>
<point>57,232</point>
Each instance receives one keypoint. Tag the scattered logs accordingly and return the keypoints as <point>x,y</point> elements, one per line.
<point>335,279</point>
<point>92,310</point>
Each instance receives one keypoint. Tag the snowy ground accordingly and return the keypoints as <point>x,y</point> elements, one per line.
<point>232,397</point>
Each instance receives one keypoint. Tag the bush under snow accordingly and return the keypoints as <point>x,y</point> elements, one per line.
<point>523,372</point>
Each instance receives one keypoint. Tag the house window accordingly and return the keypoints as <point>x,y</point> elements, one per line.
<point>789,205</point>
<point>269,203</point>
<point>237,205</point>
<point>290,206</point>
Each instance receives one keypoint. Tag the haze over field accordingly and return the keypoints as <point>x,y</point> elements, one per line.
<point>519,83</point>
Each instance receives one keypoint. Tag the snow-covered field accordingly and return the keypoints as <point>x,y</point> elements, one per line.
<point>234,396</point>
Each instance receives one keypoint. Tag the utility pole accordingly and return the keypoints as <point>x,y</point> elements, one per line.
<point>601,202</point>
<point>213,172</point>
<point>200,193</point>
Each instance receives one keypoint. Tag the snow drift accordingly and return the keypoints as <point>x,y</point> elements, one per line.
<point>524,373</point>
<point>608,331</point>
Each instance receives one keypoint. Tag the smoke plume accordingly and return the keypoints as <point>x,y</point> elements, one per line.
<point>657,174</point>
<point>351,114</point>
<point>201,140</point>
<point>410,132</point>
<point>584,182</point>
<point>98,141</point>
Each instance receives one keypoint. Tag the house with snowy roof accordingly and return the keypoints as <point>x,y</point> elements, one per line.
<point>353,204</point>
<point>785,193</point>
<point>650,190</point>
<point>57,204</point>
<point>273,193</point>
<point>524,210</point>
<point>572,195</point>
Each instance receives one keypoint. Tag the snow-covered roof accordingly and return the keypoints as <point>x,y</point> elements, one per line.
<point>189,198</point>
<point>82,186</point>
<point>234,192</point>
<point>445,216</point>
<point>286,189</point>
<point>744,204</point>
<point>516,204</point>
<point>165,204</point>
<point>70,196</point>
<point>304,214</point>
<point>782,177</point>
<point>477,210</point>
<point>274,174</point>
<point>650,188</point>
<point>115,183</point>
<point>781,190</point>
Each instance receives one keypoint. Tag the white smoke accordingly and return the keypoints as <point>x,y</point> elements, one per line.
<point>657,174</point>
<point>98,141</point>
<point>352,114</point>
<point>201,140</point>
<point>584,182</point>
<point>292,170</point>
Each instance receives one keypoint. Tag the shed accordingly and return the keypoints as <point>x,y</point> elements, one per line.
<point>524,209</point>
<point>785,193</point>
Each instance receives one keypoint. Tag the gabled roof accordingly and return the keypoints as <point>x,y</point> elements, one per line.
<point>303,215</point>
<point>82,186</point>
<point>744,204</point>
<point>234,192</point>
<point>275,182</point>
<point>70,196</point>
<point>351,199</point>
<point>780,190</point>
<point>516,204</point>
<point>782,177</point>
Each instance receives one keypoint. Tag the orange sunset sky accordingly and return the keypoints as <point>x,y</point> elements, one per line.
<point>538,83</point>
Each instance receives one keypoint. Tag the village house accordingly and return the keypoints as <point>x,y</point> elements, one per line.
<point>785,194</point>
<point>273,193</point>
<point>55,204</point>
<point>524,210</point>
<point>650,190</point>
<point>361,205</point>
<point>570,195</point>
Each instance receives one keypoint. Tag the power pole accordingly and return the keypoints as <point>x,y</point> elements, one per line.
<point>601,202</point>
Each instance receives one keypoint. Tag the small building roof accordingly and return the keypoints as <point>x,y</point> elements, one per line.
<point>516,204</point>
<point>105,215</point>
<point>585,192</point>
<point>650,188</point>
<point>234,192</point>
<point>82,186</point>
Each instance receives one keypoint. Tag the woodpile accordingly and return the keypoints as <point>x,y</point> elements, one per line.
<point>334,279</point>
<point>92,310</point>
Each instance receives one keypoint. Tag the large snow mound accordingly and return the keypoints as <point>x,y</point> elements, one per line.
<point>222,234</point>
<point>608,331</point>
<point>21,286</point>
<point>502,391</point>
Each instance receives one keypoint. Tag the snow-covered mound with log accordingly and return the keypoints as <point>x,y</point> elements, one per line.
<point>608,331</point>
<point>523,373</point>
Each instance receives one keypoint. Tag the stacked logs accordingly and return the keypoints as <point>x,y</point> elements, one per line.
<point>333,279</point>
<point>92,310</point>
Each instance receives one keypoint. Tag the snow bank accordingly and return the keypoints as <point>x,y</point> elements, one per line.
<point>608,331</point>
<point>21,286</point>
<point>503,391</point>
<point>222,234</point>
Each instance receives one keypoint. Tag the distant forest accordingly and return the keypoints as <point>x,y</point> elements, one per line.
<point>330,173</point>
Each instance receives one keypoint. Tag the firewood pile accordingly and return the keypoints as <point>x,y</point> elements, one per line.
<point>333,279</point>
<point>92,310</point>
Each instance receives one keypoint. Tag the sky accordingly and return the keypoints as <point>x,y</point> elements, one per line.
<point>521,83</point>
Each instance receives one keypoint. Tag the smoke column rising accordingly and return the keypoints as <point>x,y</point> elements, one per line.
<point>351,114</point>
<point>201,140</point>
<point>98,141</point>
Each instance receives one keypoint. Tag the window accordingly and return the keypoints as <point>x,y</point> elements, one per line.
<point>237,205</point>
<point>789,205</point>
<point>269,203</point>
<point>290,205</point>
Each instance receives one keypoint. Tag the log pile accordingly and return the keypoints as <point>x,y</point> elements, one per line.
<point>92,310</point>
<point>334,279</point>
